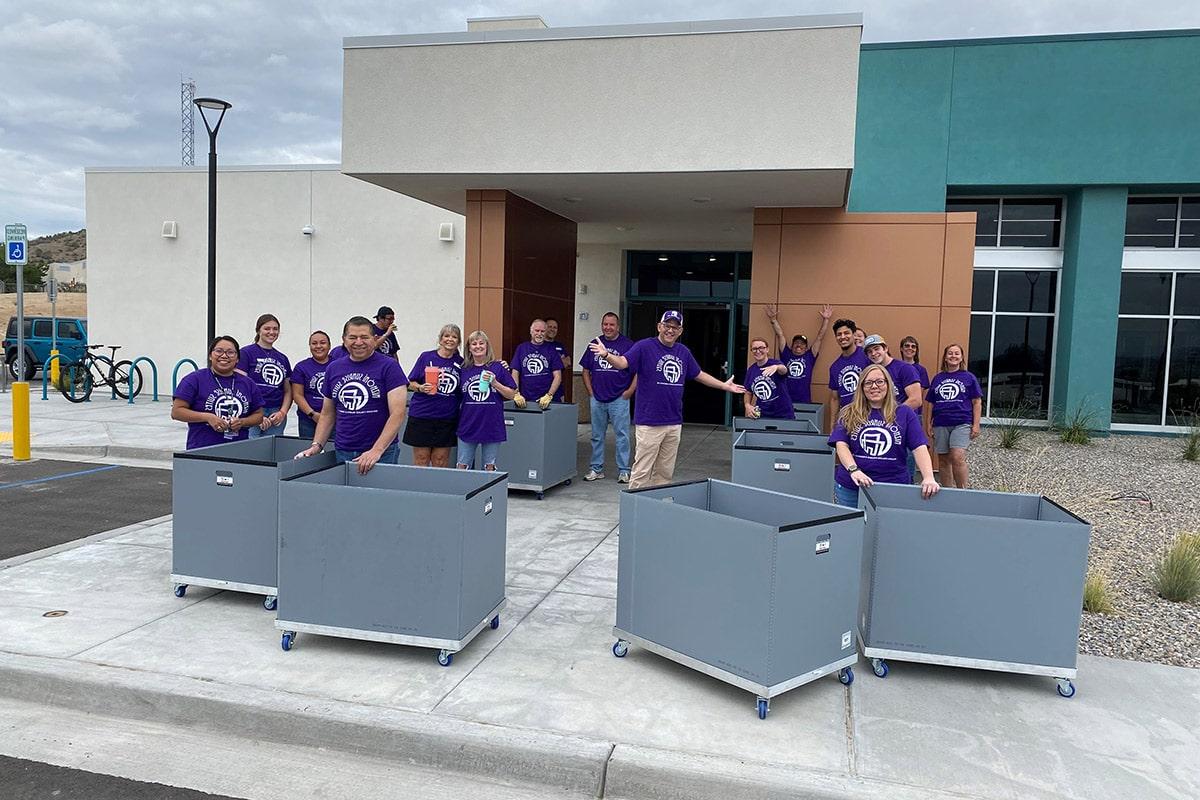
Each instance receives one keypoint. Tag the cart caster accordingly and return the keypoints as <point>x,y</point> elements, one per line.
<point>568,482</point>
<point>270,602</point>
<point>445,657</point>
<point>541,495</point>
<point>1065,687</point>
<point>880,667</point>
<point>495,623</point>
<point>180,589</point>
<point>846,676</point>
<point>287,640</point>
<point>620,648</point>
<point>764,705</point>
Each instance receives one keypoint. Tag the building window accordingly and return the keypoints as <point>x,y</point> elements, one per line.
<point>1156,377</point>
<point>1012,339</point>
<point>1013,221</point>
<point>1162,222</point>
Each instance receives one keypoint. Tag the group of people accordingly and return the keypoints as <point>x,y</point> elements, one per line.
<point>356,395</point>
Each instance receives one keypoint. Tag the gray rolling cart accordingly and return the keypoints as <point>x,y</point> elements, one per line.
<point>755,588</point>
<point>541,449</point>
<point>403,555</point>
<point>792,463</point>
<point>987,580</point>
<point>225,506</point>
<point>814,412</point>
<point>773,425</point>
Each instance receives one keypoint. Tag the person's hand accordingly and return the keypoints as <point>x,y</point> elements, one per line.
<point>314,415</point>
<point>429,388</point>
<point>519,400</point>
<point>367,460</point>
<point>974,431</point>
<point>861,478</point>
<point>628,393</point>
<point>487,376</point>
<point>217,423</point>
<point>392,328</point>
<point>544,401</point>
<point>773,369</point>
<point>277,417</point>
<point>753,412</point>
<point>929,487</point>
<point>307,452</point>
<point>598,350</point>
<point>235,424</point>
<point>733,388</point>
<point>826,311</point>
<point>772,313</point>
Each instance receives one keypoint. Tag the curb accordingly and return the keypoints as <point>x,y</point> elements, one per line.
<point>97,452</point>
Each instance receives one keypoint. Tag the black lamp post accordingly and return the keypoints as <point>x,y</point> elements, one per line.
<point>206,104</point>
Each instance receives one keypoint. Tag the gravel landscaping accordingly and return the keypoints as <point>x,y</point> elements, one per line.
<point>1138,494</point>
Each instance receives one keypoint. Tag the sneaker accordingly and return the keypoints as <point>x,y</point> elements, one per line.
<point>592,475</point>
<point>623,477</point>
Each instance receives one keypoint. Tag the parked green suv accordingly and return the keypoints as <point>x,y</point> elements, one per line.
<point>72,342</point>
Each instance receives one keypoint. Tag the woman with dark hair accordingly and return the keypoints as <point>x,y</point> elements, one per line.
<point>269,369</point>
<point>910,353</point>
<point>433,409</point>
<point>306,380</point>
<point>872,435</point>
<point>218,404</point>
<point>957,405</point>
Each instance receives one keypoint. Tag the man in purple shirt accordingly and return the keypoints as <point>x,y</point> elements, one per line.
<point>536,366</point>
<point>609,389</point>
<point>799,357</point>
<point>905,380</point>
<point>843,372</point>
<point>552,338</point>
<point>365,398</point>
<point>661,366</point>
<point>384,331</point>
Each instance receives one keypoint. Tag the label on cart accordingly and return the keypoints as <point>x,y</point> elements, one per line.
<point>847,640</point>
<point>823,544</point>
<point>224,478</point>
<point>783,466</point>
<point>533,474</point>
<point>509,421</point>
<point>487,507</point>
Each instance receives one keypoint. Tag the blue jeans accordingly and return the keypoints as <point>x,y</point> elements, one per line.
<point>844,496</point>
<point>308,427</point>
<point>390,456</point>
<point>466,453</point>
<point>616,412</point>
<point>274,430</point>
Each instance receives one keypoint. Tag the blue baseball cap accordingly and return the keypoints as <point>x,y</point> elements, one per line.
<point>672,316</point>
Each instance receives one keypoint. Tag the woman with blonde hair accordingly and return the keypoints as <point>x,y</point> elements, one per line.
<point>433,410</point>
<point>485,384</point>
<point>872,436</point>
<point>957,405</point>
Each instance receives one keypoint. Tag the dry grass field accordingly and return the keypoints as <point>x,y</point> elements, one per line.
<point>70,304</point>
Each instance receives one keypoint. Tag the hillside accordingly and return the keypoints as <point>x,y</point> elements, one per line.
<point>65,247</point>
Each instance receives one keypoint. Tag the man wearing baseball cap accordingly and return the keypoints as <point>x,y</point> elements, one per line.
<point>384,331</point>
<point>905,379</point>
<point>799,357</point>
<point>662,366</point>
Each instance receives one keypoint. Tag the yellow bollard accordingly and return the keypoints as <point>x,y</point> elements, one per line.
<point>20,406</point>
<point>54,368</point>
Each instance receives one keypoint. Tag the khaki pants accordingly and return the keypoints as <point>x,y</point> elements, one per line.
<point>654,460</point>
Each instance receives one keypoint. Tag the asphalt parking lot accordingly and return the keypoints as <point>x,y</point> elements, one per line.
<point>45,503</point>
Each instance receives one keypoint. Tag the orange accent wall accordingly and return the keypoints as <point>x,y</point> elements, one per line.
<point>893,274</point>
<point>520,265</point>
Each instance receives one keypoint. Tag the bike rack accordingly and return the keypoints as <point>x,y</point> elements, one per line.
<point>153,373</point>
<point>175,372</point>
<point>46,375</point>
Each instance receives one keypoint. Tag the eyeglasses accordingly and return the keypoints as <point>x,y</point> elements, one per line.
<point>222,352</point>
<point>875,382</point>
<point>909,346</point>
<point>756,349</point>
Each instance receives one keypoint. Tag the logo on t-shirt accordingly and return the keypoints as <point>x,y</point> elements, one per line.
<point>671,368</point>
<point>796,368</point>
<point>876,439</point>
<point>477,390</point>
<point>353,396</point>
<point>602,364</point>
<point>763,388</point>
<point>227,406</point>
<point>271,372</point>
<point>385,347</point>
<point>535,364</point>
<point>447,381</point>
<point>848,379</point>
<point>317,382</point>
<point>951,390</point>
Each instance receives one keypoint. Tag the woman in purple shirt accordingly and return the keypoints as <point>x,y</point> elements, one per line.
<point>433,409</point>
<point>218,404</point>
<point>872,435</point>
<point>307,378</point>
<point>957,404</point>
<point>269,369</point>
<point>485,385</point>
<point>766,385</point>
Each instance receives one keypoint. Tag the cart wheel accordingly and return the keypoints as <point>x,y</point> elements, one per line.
<point>764,705</point>
<point>568,483</point>
<point>495,623</point>
<point>541,495</point>
<point>880,667</point>
<point>180,589</point>
<point>287,640</point>
<point>445,657</point>
<point>1065,687</point>
<point>270,602</point>
<point>620,648</point>
<point>846,676</point>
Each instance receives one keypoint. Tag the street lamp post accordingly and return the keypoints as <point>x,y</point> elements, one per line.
<point>210,104</point>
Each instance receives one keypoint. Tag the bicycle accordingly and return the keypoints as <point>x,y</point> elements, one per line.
<point>77,379</point>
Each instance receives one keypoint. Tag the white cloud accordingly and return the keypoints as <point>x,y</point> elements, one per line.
<point>276,60</point>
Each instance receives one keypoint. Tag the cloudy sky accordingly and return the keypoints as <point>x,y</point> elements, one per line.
<point>90,83</point>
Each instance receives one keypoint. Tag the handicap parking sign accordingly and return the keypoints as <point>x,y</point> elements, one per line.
<point>15,245</point>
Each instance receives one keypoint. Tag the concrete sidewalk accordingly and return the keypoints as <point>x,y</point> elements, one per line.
<point>542,702</point>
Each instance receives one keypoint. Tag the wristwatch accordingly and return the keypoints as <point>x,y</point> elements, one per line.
<point>852,468</point>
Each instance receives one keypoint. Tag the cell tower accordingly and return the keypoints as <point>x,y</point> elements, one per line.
<point>187,110</point>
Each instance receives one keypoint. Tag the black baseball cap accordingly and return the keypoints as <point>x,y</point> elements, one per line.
<point>384,311</point>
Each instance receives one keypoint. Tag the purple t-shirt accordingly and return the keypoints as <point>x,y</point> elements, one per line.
<point>444,404</point>
<point>359,390</point>
<point>951,394</point>
<point>481,419</point>
<point>559,395</point>
<point>880,449</point>
<point>843,374</point>
<point>389,346</point>
<point>903,376</point>
<point>311,375</point>
<point>535,363</point>
<point>799,377</point>
<point>922,375</point>
<point>661,373</point>
<point>771,392</point>
<point>338,352</point>
<point>608,382</point>
<point>229,398</point>
<point>269,369</point>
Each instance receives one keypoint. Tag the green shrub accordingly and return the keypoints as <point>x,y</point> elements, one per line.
<point>1191,439</point>
<point>1177,574</point>
<point>1015,422</point>
<point>1097,597</point>
<point>1076,427</point>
